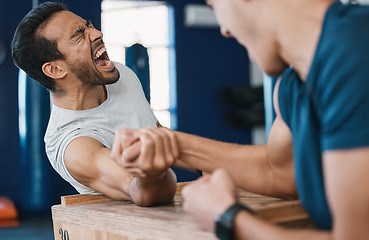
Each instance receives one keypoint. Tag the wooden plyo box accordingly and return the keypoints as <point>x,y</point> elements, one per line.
<point>97,217</point>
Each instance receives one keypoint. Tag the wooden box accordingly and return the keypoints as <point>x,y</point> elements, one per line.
<point>97,217</point>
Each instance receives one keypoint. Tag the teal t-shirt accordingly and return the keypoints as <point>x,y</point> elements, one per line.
<point>330,110</point>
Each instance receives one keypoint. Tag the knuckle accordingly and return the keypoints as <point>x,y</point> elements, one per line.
<point>146,166</point>
<point>156,137</point>
<point>169,158</point>
<point>160,165</point>
<point>171,134</point>
<point>147,143</point>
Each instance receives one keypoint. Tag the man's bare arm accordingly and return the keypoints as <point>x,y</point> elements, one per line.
<point>266,169</point>
<point>89,162</point>
<point>345,178</point>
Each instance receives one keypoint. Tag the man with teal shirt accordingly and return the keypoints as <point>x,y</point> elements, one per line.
<point>318,146</point>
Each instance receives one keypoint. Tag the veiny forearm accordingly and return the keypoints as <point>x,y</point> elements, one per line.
<point>149,191</point>
<point>250,166</point>
<point>251,227</point>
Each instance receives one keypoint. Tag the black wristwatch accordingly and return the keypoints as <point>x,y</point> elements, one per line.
<point>224,228</point>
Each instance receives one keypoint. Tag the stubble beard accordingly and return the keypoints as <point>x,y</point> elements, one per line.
<point>91,76</point>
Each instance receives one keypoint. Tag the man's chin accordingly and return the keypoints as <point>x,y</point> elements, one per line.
<point>114,78</point>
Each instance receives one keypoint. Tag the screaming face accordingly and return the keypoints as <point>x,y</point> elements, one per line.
<point>103,72</point>
<point>84,50</point>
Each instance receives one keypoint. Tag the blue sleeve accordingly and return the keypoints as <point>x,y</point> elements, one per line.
<point>344,90</point>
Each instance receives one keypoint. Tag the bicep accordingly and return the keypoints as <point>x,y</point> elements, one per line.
<point>279,149</point>
<point>280,136</point>
<point>89,162</point>
<point>280,158</point>
<point>346,176</point>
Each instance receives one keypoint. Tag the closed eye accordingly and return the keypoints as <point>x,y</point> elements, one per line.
<point>89,24</point>
<point>80,32</point>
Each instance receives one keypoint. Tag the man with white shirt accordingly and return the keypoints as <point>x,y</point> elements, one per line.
<point>92,97</point>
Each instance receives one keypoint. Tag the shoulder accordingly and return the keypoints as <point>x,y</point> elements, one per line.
<point>345,29</point>
<point>126,74</point>
<point>342,52</point>
<point>66,125</point>
<point>340,14</point>
<point>60,120</point>
<point>123,69</point>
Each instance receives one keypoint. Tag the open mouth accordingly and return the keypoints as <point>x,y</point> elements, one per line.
<point>102,59</point>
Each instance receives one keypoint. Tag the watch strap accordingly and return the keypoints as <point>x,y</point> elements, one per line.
<point>231,212</point>
<point>225,222</point>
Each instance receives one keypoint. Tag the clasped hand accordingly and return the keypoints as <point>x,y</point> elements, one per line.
<point>146,152</point>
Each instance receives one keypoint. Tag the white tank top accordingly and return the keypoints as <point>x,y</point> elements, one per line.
<point>125,107</point>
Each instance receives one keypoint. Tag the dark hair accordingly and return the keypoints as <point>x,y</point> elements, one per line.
<point>30,50</point>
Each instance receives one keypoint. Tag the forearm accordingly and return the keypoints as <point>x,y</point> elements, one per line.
<point>251,227</point>
<point>149,191</point>
<point>249,166</point>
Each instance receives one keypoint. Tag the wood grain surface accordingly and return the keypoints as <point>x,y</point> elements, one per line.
<point>97,217</point>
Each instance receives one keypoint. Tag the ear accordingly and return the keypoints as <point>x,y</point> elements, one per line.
<point>54,70</point>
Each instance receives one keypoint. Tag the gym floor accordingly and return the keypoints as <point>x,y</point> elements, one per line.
<point>38,227</point>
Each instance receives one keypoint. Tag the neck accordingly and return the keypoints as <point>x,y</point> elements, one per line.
<point>82,98</point>
<point>299,24</point>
